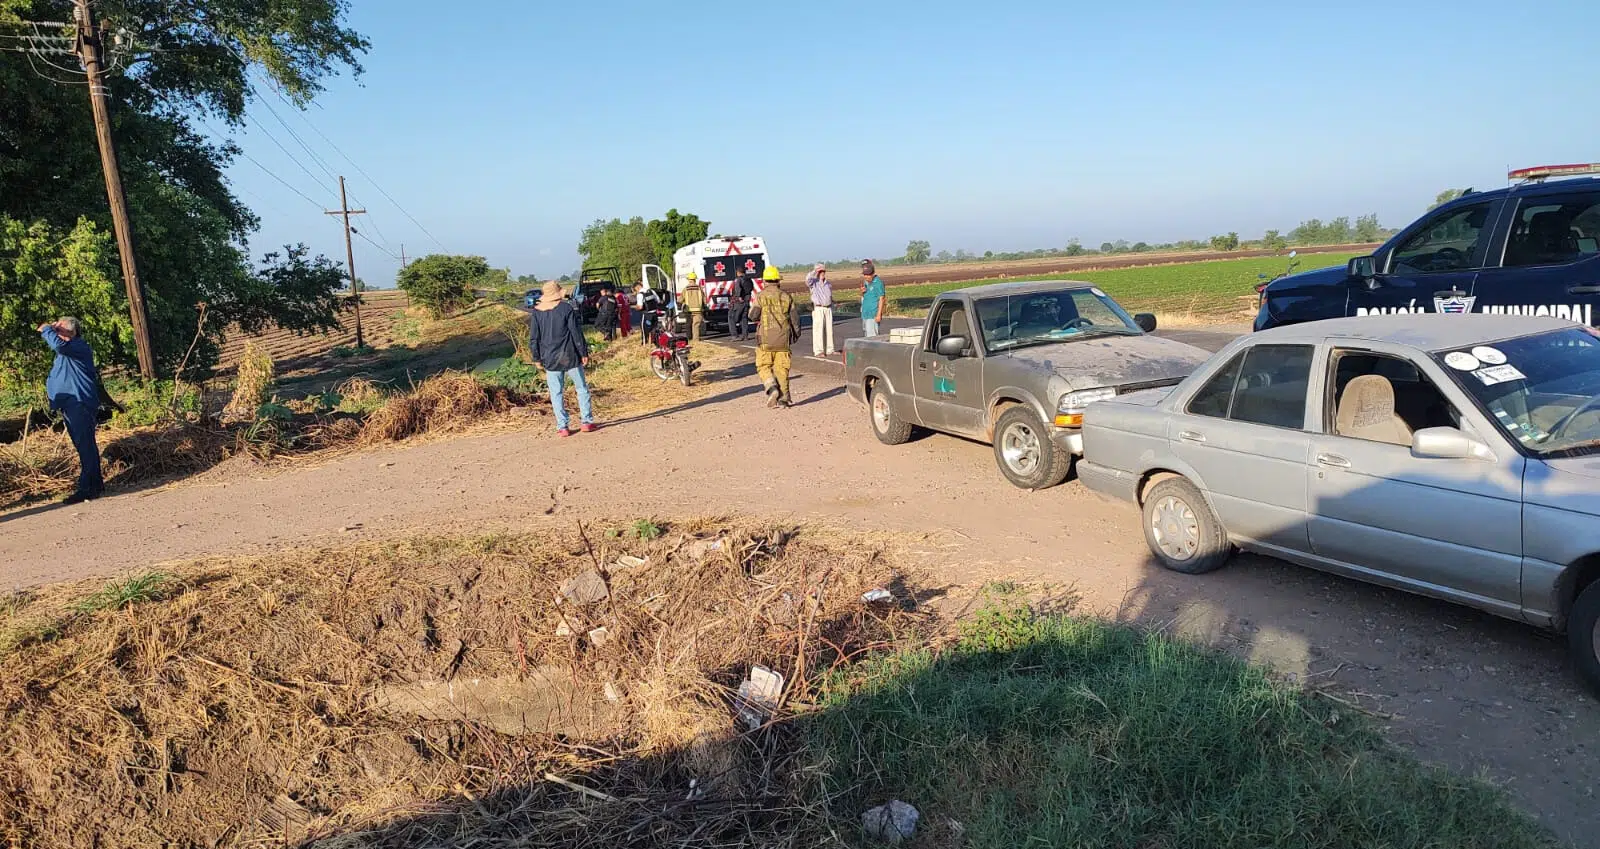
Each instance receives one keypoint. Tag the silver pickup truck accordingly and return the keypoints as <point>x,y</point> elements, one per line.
<point>1013,365</point>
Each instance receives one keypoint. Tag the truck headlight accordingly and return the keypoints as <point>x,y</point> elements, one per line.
<point>1069,411</point>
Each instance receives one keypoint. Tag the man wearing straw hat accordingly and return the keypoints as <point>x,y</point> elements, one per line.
<point>555,338</point>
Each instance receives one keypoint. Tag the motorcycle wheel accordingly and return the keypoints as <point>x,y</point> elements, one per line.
<point>683,368</point>
<point>660,367</point>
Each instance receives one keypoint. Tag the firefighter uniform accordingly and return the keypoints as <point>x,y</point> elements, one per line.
<point>777,320</point>
<point>694,300</point>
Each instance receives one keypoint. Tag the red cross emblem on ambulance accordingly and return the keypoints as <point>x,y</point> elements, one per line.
<point>721,269</point>
<point>750,265</point>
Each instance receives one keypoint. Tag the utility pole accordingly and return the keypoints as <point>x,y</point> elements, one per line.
<point>349,252</point>
<point>402,255</point>
<point>91,52</point>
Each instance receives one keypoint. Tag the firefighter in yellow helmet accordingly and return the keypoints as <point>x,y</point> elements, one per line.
<point>777,319</point>
<point>694,301</point>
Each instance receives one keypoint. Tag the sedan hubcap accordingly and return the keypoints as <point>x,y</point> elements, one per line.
<point>1175,528</point>
<point>880,411</point>
<point>1020,446</point>
<point>1594,637</point>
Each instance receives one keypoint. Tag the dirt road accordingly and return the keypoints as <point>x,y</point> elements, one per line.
<point>1467,690</point>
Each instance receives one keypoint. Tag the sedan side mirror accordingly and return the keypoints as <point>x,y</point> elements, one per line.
<point>1447,443</point>
<point>1146,321</point>
<point>951,346</point>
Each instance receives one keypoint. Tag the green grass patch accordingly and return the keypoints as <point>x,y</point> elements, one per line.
<point>116,595</point>
<point>1036,730</point>
<point>1211,289</point>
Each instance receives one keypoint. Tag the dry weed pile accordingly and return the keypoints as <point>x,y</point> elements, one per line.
<point>431,692</point>
<point>442,403</point>
<point>254,380</point>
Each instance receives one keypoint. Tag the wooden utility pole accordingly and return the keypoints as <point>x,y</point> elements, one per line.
<point>402,255</point>
<point>349,253</point>
<point>91,52</point>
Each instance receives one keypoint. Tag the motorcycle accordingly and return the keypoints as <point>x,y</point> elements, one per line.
<point>670,355</point>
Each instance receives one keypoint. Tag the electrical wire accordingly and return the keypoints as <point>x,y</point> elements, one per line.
<point>363,237</point>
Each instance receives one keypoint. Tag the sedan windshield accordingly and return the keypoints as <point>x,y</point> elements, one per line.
<point>1042,317</point>
<point>1542,390</point>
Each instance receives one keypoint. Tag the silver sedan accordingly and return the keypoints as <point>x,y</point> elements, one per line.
<point>1456,456</point>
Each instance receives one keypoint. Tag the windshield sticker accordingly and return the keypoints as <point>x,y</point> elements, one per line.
<point>1462,361</point>
<point>1489,356</point>
<point>1498,374</point>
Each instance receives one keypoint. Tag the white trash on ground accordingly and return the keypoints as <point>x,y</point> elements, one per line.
<point>893,823</point>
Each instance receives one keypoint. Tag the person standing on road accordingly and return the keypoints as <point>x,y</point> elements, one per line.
<point>624,314</point>
<point>694,300</point>
<point>777,320</point>
<point>605,313</point>
<point>555,336</point>
<point>739,306</point>
<point>74,391</point>
<point>821,311</point>
<point>873,299</point>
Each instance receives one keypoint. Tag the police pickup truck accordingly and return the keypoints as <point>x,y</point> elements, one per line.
<point>1530,249</point>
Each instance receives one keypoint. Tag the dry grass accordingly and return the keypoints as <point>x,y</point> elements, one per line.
<point>255,375</point>
<point>444,403</point>
<point>237,702</point>
<point>625,386</point>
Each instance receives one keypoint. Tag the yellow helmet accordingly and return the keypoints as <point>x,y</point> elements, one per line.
<point>692,276</point>
<point>771,275</point>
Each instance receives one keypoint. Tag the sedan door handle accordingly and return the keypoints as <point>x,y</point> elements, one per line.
<point>1333,460</point>
<point>1191,436</point>
<point>1584,289</point>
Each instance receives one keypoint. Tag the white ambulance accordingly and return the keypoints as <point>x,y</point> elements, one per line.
<point>716,261</point>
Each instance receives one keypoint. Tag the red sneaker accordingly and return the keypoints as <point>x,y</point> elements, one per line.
<point>589,428</point>
<point>563,433</point>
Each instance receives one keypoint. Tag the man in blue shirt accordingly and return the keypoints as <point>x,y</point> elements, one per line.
<point>555,338</point>
<point>873,298</point>
<point>74,391</point>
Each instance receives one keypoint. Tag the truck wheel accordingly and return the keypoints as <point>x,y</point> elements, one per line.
<point>1583,636</point>
<point>888,427</point>
<point>1024,452</point>
<point>1181,530</point>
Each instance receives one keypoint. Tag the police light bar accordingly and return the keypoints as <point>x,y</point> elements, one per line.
<point>1544,172</point>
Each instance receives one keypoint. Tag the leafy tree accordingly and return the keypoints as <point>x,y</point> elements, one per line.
<point>1274,241</point>
<point>442,283</point>
<point>1446,196</point>
<point>190,60</point>
<point>624,244</point>
<point>1121,246</point>
<point>1140,247</point>
<point>1074,248</point>
<point>1368,229</point>
<point>917,251</point>
<point>943,256</point>
<point>1229,242</point>
<point>674,231</point>
<point>963,255</point>
<point>1107,247</point>
<point>45,274</point>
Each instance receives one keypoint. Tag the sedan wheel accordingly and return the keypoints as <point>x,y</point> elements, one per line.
<point>1583,635</point>
<point>1181,530</point>
<point>1175,529</point>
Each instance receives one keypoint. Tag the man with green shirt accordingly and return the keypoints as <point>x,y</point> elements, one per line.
<point>873,299</point>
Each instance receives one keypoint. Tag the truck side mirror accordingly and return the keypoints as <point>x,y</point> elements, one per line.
<point>951,346</point>
<point>1146,321</point>
<point>1362,268</point>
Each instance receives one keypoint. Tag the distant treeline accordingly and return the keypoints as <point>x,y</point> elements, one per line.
<point>1339,231</point>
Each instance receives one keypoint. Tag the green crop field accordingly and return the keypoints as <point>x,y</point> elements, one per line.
<point>1216,290</point>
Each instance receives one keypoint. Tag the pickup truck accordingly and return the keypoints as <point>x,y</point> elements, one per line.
<point>1013,365</point>
<point>1528,249</point>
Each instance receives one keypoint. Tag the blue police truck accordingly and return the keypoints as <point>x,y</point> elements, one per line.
<point>1530,249</point>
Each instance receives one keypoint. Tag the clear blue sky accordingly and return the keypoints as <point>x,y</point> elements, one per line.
<point>842,129</point>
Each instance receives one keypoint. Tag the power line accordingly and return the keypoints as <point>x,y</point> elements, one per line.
<point>374,182</point>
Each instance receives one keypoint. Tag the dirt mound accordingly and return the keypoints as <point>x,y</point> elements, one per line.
<point>371,696</point>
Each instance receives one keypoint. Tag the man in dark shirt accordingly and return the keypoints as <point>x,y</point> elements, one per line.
<point>739,306</point>
<point>74,391</point>
<point>555,338</point>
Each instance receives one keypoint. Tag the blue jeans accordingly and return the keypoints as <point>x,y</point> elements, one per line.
<point>80,426</point>
<point>558,380</point>
<point>869,327</point>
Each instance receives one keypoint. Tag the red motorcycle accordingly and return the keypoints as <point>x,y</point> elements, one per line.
<point>670,356</point>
